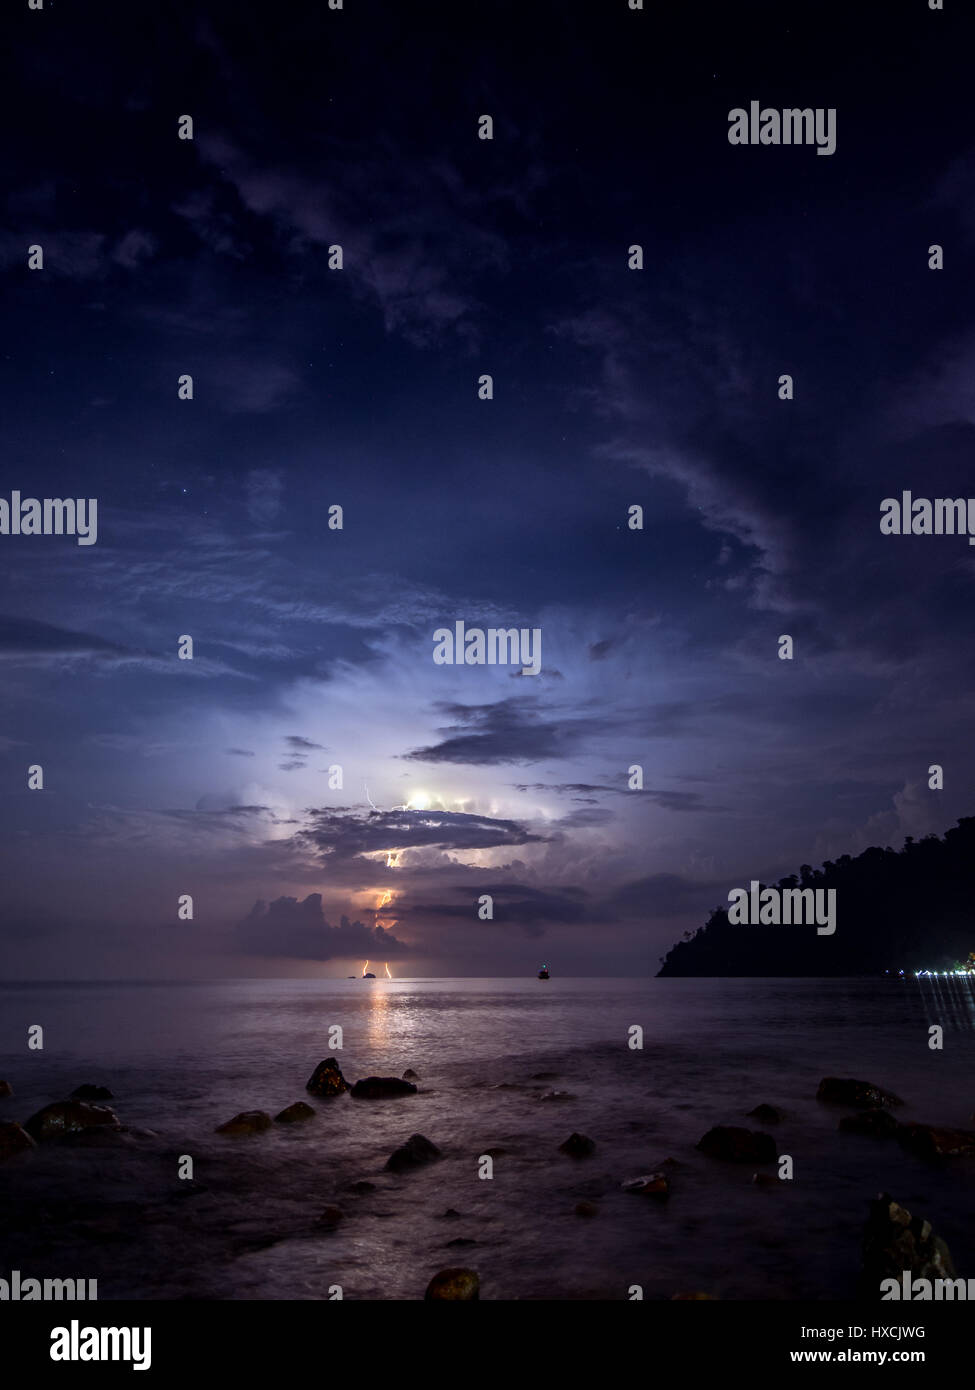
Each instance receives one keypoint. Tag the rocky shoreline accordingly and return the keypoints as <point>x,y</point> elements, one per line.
<point>83,1119</point>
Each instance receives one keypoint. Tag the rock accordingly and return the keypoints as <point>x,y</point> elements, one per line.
<point>544,1076</point>
<point>410,1075</point>
<point>327,1079</point>
<point>933,1141</point>
<point>412,1154</point>
<point>450,1215</point>
<point>14,1139</point>
<point>766,1114</point>
<point>459,1240</point>
<point>895,1242</point>
<point>650,1185</point>
<point>458,1285</point>
<point>878,1123</point>
<point>330,1217</point>
<point>6,1090</point>
<point>586,1209</point>
<point>849,1092</point>
<point>89,1092</point>
<point>578,1146</point>
<point>291,1114</point>
<point>382,1088</point>
<point>247,1122</point>
<point>764,1180</point>
<point>737,1145</point>
<point>557,1095</point>
<point>361,1187</point>
<point>68,1117</point>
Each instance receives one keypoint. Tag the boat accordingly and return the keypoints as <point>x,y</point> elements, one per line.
<point>543,973</point>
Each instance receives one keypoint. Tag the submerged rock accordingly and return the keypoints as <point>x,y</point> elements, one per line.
<point>878,1123</point>
<point>764,1180</point>
<point>382,1088</point>
<point>327,1079</point>
<point>578,1146</point>
<point>247,1122</point>
<point>330,1217</point>
<point>458,1285</point>
<point>416,1151</point>
<point>650,1185</point>
<point>410,1075</point>
<point>737,1145</point>
<point>450,1215</point>
<point>14,1139</point>
<point>6,1090</point>
<point>90,1092</point>
<point>291,1114</point>
<point>934,1141</point>
<point>847,1091</point>
<point>766,1114</point>
<point>69,1117</point>
<point>586,1209</point>
<point>895,1242</point>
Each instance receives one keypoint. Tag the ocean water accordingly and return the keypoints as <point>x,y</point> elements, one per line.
<point>181,1059</point>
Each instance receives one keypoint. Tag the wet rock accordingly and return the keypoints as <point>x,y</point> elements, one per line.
<point>361,1187</point>
<point>410,1075</point>
<point>934,1141</point>
<point>247,1122</point>
<point>330,1217</point>
<point>327,1079</point>
<point>90,1092</point>
<point>450,1215</point>
<point>14,1139</point>
<point>578,1146</point>
<point>650,1185</point>
<point>895,1242</point>
<point>382,1088</point>
<point>68,1117</point>
<point>416,1151</point>
<point>6,1090</point>
<point>557,1095</point>
<point>878,1123</point>
<point>846,1091</point>
<point>737,1145</point>
<point>766,1114</point>
<point>458,1285</point>
<point>291,1114</point>
<point>585,1209</point>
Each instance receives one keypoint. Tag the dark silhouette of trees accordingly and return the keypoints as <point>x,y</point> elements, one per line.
<point>907,910</point>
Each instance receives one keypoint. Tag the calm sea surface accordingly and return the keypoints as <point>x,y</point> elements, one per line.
<point>181,1059</point>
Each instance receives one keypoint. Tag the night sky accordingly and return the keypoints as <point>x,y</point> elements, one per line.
<point>358,387</point>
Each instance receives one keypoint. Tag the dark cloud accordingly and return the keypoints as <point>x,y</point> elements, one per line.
<point>299,931</point>
<point>509,731</point>
<point>343,834</point>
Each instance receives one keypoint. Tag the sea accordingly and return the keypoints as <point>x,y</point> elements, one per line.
<point>508,1069</point>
